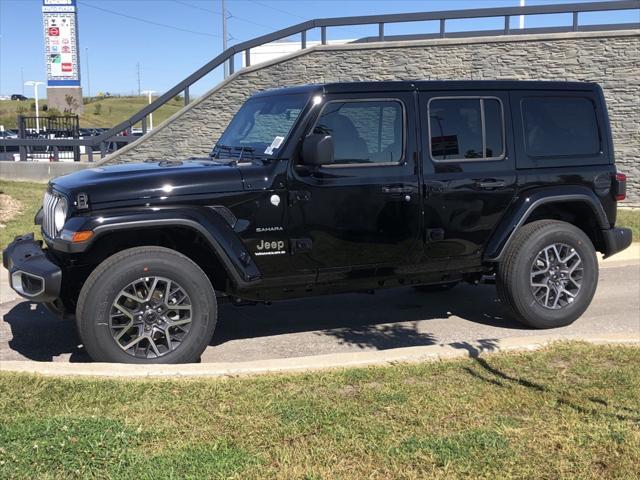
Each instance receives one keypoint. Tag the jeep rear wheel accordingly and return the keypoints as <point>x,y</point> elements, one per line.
<point>146,305</point>
<point>548,274</point>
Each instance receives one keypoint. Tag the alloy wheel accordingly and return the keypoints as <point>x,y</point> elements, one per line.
<point>150,317</point>
<point>556,276</point>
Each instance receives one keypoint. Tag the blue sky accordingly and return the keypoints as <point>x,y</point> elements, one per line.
<point>116,41</point>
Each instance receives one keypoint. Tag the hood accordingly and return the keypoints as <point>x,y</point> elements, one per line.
<point>150,180</point>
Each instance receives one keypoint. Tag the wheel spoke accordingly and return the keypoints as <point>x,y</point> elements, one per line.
<point>546,297</point>
<point>153,345</point>
<point>151,290</point>
<point>575,265</point>
<point>133,342</point>
<point>131,297</point>
<point>167,291</point>
<point>123,310</point>
<point>167,336</point>
<point>179,307</point>
<point>176,323</point>
<point>570,256</point>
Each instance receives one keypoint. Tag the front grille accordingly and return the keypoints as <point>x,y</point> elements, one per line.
<point>48,209</point>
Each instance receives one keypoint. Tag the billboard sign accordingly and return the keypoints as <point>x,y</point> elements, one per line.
<point>61,43</point>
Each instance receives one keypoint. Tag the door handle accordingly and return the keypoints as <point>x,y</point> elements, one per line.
<point>397,189</point>
<point>490,183</point>
<point>435,186</point>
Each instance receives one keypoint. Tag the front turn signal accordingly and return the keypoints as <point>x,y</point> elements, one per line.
<point>81,236</point>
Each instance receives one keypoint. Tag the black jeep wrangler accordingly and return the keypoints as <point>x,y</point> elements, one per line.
<point>336,188</point>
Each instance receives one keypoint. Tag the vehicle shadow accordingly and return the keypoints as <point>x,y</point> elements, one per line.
<point>484,371</point>
<point>386,319</point>
<point>39,335</point>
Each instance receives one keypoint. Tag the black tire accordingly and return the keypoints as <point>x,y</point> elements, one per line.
<point>438,287</point>
<point>513,279</point>
<point>96,299</point>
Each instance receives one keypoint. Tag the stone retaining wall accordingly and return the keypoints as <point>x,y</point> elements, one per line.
<point>610,58</point>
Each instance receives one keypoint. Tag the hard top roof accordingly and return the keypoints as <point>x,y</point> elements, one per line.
<point>435,85</point>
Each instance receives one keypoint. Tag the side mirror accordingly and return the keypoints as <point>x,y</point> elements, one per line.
<point>317,150</point>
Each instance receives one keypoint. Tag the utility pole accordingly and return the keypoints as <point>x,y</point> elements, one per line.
<point>86,52</point>
<point>150,93</point>
<point>22,78</point>
<point>224,37</point>
<point>138,71</point>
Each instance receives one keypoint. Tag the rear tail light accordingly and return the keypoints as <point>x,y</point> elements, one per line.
<point>620,186</point>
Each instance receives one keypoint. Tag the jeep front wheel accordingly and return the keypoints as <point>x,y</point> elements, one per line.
<point>146,305</point>
<point>548,274</point>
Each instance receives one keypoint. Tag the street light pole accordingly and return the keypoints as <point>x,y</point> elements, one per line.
<point>86,52</point>
<point>149,93</point>
<point>521,25</point>
<point>35,85</point>
<point>224,37</point>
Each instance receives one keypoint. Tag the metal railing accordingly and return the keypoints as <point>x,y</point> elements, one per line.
<point>114,135</point>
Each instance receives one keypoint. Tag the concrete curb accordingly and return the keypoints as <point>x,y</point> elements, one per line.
<point>314,363</point>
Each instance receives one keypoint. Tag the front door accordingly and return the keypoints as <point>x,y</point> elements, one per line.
<point>469,171</point>
<point>364,211</point>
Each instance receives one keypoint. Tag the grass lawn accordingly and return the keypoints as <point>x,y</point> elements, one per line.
<point>569,411</point>
<point>30,197</point>
<point>630,219</point>
<point>98,113</point>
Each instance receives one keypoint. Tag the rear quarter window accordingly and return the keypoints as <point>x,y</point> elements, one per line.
<point>560,127</point>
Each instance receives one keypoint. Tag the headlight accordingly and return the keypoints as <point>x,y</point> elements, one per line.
<point>60,214</point>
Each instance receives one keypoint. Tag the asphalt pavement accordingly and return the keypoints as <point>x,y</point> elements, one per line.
<point>347,323</point>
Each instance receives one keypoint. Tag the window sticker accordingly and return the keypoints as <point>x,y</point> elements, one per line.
<point>274,145</point>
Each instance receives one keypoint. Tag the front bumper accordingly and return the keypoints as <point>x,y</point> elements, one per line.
<point>615,240</point>
<point>32,272</point>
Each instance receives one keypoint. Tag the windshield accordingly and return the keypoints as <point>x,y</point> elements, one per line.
<point>261,126</point>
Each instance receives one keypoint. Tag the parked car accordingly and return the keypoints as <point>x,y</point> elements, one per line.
<point>336,188</point>
<point>18,97</point>
<point>8,134</point>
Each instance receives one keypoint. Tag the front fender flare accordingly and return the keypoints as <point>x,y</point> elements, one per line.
<point>522,208</point>
<point>216,230</point>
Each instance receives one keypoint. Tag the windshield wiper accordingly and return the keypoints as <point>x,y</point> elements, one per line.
<point>215,153</point>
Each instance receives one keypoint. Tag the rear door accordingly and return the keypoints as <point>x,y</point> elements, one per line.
<point>469,170</point>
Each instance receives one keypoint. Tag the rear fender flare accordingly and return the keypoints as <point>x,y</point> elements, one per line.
<point>527,204</point>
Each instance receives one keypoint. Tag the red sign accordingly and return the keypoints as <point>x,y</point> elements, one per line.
<point>54,31</point>
<point>67,67</point>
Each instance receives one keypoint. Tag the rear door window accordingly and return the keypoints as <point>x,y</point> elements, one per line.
<point>466,128</point>
<point>560,126</point>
